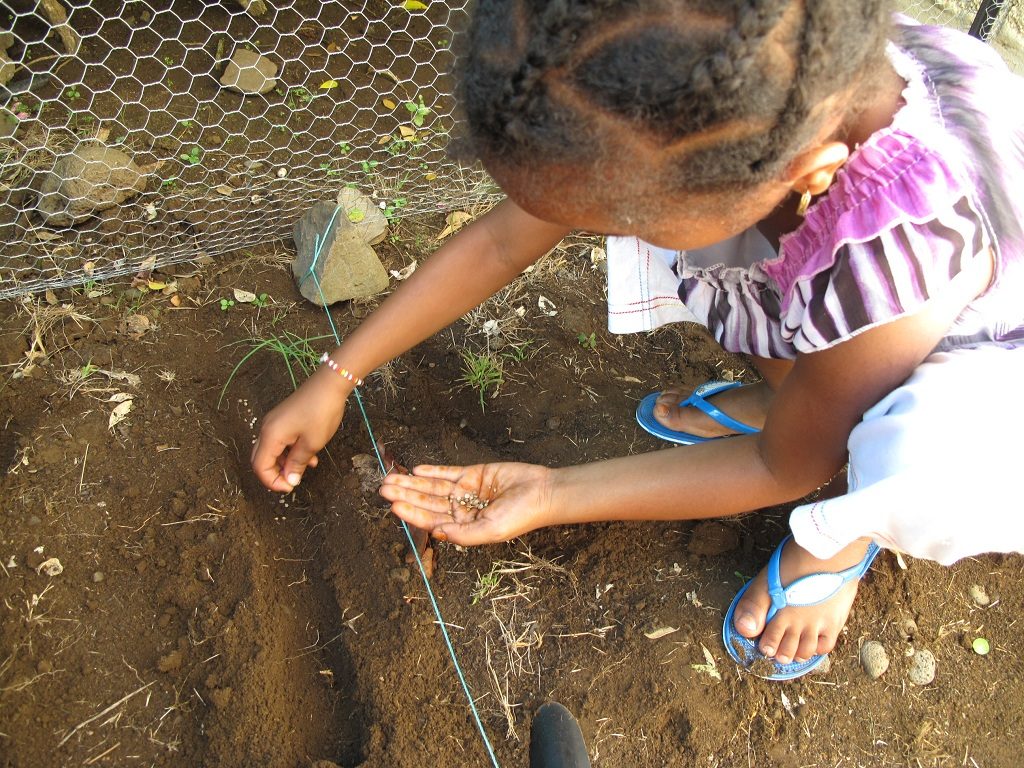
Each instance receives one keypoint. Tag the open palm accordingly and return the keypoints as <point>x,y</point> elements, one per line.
<point>479,504</point>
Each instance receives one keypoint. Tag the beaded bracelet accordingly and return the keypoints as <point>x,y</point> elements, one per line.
<point>345,373</point>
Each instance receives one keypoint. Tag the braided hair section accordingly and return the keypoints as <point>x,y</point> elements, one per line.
<point>725,90</point>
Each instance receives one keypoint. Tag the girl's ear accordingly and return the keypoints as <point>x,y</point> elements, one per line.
<point>814,170</point>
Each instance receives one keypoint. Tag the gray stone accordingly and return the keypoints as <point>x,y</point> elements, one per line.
<point>922,667</point>
<point>249,73</point>
<point>6,68</point>
<point>366,217</point>
<point>874,659</point>
<point>6,40</point>
<point>92,179</point>
<point>347,268</point>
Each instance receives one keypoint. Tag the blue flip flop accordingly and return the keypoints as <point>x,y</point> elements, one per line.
<point>645,414</point>
<point>812,589</point>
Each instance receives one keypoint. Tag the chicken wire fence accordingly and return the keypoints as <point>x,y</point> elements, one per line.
<point>139,133</point>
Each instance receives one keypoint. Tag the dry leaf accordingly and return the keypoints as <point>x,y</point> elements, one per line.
<point>50,567</point>
<point>404,272</point>
<point>654,634</point>
<point>243,297</point>
<point>156,285</point>
<point>128,378</point>
<point>120,413</point>
<point>406,131</point>
<point>711,668</point>
<point>175,300</point>
<point>328,84</point>
<point>137,325</point>
<point>356,215</point>
<point>547,306</point>
<point>44,237</point>
<point>389,103</point>
<point>51,298</point>
<point>225,190</point>
<point>120,397</point>
<point>454,221</point>
<point>414,5</point>
<point>430,176</point>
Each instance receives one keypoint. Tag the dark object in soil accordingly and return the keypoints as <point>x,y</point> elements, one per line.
<point>556,740</point>
<point>420,537</point>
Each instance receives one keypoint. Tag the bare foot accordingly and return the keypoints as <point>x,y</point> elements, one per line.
<point>748,404</point>
<point>798,633</point>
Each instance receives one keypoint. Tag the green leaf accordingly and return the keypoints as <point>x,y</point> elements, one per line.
<point>414,5</point>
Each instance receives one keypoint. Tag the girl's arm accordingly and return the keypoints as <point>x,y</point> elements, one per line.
<point>484,257</point>
<point>803,444</point>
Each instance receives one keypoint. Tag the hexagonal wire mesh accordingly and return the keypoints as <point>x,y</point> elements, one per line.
<point>142,132</point>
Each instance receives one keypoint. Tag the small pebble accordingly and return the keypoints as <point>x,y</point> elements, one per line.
<point>824,667</point>
<point>874,659</point>
<point>922,667</point>
<point>908,627</point>
<point>98,576</point>
<point>979,595</point>
<point>282,172</point>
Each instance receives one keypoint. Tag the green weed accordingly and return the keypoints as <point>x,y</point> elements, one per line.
<point>418,111</point>
<point>587,342</point>
<point>482,373</point>
<point>298,353</point>
<point>194,156</point>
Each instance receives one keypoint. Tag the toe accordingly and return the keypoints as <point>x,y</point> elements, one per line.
<point>808,645</point>
<point>772,638</point>
<point>826,642</point>
<point>749,616</point>
<point>787,647</point>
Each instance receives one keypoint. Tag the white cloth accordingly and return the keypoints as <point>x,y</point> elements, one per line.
<point>935,466</point>
<point>642,287</point>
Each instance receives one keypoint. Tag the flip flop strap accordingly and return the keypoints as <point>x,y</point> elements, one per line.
<point>713,388</point>
<point>777,592</point>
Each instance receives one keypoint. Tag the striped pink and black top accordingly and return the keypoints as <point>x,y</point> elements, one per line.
<point>914,205</point>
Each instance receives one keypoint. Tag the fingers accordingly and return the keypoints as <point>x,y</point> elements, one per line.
<point>481,531</point>
<point>397,484</point>
<point>265,456</point>
<point>280,466</point>
<point>440,472</point>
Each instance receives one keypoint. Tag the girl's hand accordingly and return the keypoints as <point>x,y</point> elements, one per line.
<point>480,504</point>
<point>294,432</point>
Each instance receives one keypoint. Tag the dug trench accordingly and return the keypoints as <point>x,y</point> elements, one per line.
<point>201,620</point>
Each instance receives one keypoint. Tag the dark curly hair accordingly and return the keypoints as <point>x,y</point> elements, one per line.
<point>724,90</point>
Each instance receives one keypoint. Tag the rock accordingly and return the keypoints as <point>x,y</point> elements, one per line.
<point>249,73</point>
<point>711,538</point>
<point>874,659</point>
<point>90,180</point>
<point>922,667</point>
<point>7,68</point>
<point>979,595</point>
<point>347,268</point>
<point>98,577</point>
<point>366,217</point>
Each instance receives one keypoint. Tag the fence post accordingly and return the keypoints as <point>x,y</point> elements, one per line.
<point>985,19</point>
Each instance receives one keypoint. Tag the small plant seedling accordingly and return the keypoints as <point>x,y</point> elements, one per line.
<point>345,147</point>
<point>298,352</point>
<point>298,97</point>
<point>169,183</point>
<point>330,170</point>
<point>520,352</point>
<point>368,166</point>
<point>262,300</point>
<point>482,373</point>
<point>391,209</point>
<point>72,93</point>
<point>194,156</point>
<point>226,304</point>
<point>169,61</point>
<point>486,584</point>
<point>418,111</point>
<point>587,342</point>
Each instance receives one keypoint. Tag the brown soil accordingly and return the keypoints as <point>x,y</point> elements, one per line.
<point>201,620</point>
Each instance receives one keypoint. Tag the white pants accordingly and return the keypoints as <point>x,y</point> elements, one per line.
<point>936,467</point>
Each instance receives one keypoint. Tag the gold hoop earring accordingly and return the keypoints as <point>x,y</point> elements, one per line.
<point>805,202</point>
